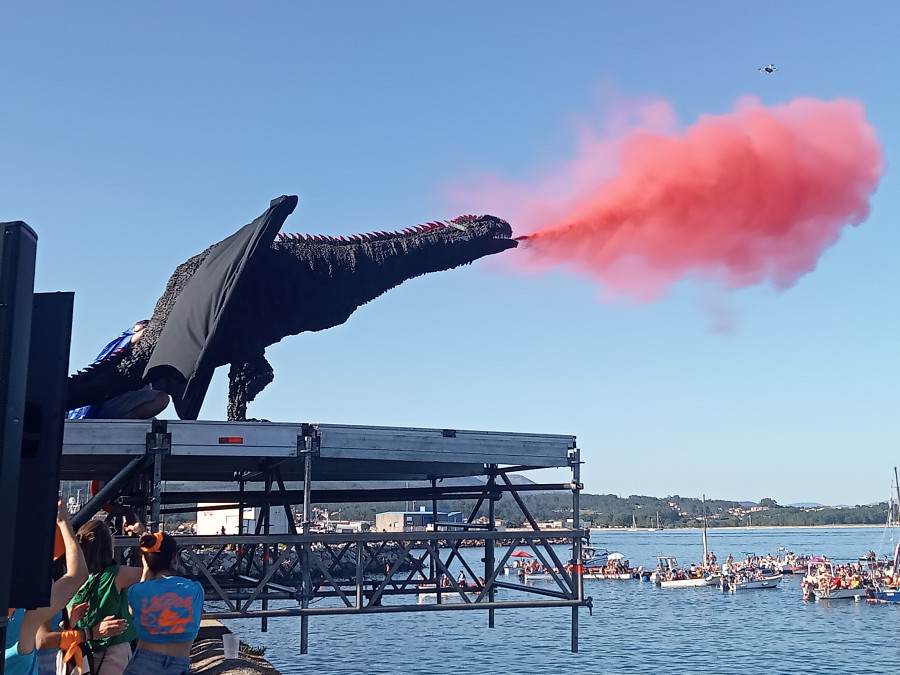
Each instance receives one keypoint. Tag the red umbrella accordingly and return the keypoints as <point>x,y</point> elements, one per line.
<point>520,554</point>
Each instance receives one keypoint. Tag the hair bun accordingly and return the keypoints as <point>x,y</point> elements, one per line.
<point>147,540</point>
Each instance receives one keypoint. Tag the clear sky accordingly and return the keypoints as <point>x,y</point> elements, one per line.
<point>134,135</point>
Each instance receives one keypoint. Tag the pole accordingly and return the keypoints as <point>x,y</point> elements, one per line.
<point>489,545</point>
<point>897,485</point>
<point>432,566</point>
<point>577,581</point>
<point>306,588</point>
<point>705,547</point>
<point>266,513</point>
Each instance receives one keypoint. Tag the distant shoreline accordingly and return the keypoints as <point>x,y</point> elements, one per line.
<point>735,528</point>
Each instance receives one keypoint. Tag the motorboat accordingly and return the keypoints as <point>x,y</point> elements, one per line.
<point>738,582</point>
<point>823,583</point>
<point>594,557</point>
<point>668,575</point>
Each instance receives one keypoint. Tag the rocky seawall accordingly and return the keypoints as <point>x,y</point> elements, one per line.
<point>208,657</point>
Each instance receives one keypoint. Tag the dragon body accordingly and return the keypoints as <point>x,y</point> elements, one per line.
<point>297,284</point>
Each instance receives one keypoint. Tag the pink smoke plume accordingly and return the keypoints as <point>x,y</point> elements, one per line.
<point>751,196</point>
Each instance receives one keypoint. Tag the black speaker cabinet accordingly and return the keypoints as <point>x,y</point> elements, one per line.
<point>42,437</point>
<point>17,253</point>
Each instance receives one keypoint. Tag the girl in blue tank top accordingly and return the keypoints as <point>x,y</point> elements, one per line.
<point>166,611</point>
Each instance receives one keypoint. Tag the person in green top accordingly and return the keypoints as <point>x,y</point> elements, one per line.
<point>107,620</point>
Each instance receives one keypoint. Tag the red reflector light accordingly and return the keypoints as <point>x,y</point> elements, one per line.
<point>231,439</point>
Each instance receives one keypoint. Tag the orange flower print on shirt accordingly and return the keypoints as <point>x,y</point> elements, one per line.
<point>166,614</point>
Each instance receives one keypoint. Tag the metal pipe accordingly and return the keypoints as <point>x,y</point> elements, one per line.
<point>432,564</point>
<point>156,488</point>
<point>359,574</point>
<point>306,584</point>
<point>489,548</point>
<point>266,514</point>
<point>105,494</point>
<point>388,609</point>
<point>366,496</point>
<point>577,579</point>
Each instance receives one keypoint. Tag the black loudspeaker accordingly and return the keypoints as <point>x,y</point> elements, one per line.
<point>42,437</point>
<point>17,252</point>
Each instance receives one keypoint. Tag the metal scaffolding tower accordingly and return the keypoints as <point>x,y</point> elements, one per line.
<point>302,572</point>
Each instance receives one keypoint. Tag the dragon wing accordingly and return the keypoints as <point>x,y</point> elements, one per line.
<point>188,349</point>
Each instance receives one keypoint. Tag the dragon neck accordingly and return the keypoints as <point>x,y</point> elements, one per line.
<point>373,266</point>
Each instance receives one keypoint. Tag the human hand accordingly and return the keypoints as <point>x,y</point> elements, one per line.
<point>77,612</point>
<point>62,513</point>
<point>109,627</point>
<point>136,529</point>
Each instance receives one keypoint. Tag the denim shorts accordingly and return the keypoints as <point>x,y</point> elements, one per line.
<point>145,662</point>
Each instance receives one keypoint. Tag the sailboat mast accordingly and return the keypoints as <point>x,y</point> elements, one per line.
<point>897,486</point>
<point>705,548</point>
<point>897,550</point>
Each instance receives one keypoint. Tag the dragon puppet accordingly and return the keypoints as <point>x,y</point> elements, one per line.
<point>226,305</point>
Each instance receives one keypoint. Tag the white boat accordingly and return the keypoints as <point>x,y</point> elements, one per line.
<point>538,576</point>
<point>764,581</point>
<point>621,576</point>
<point>699,582</point>
<point>668,575</point>
<point>427,593</point>
<point>840,593</point>
<point>668,564</point>
<point>612,569</point>
<point>819,583</point>
<point>594,557</point>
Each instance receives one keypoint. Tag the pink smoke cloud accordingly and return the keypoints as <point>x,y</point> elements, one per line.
<point>752,196</point>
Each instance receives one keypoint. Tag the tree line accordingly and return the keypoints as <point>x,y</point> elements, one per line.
<point>608,510</point>
<point>642,511</point>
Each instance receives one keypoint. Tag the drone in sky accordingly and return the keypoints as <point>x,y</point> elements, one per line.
<point>769,69</point>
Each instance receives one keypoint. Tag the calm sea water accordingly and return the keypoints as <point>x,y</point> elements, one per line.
<point>635,627</point>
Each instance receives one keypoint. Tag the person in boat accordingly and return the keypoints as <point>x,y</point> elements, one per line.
<point>461,580</point>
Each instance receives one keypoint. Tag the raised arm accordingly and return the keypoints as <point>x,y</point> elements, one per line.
<point>63,589</point>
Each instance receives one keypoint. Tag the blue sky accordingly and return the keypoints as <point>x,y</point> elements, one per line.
<point>134,136</point>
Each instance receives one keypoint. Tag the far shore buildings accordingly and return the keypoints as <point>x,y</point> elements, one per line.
<point>415,521</point>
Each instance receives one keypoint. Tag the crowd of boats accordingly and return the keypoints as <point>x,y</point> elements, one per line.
<point>867,578</point>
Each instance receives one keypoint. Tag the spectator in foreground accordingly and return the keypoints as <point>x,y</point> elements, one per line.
<point>166,610</point>
<point>107,619</point>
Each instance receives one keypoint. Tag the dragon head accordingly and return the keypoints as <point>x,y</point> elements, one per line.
<point>464,239</point>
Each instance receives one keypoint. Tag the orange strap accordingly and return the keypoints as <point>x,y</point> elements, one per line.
<point>71,645</point>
